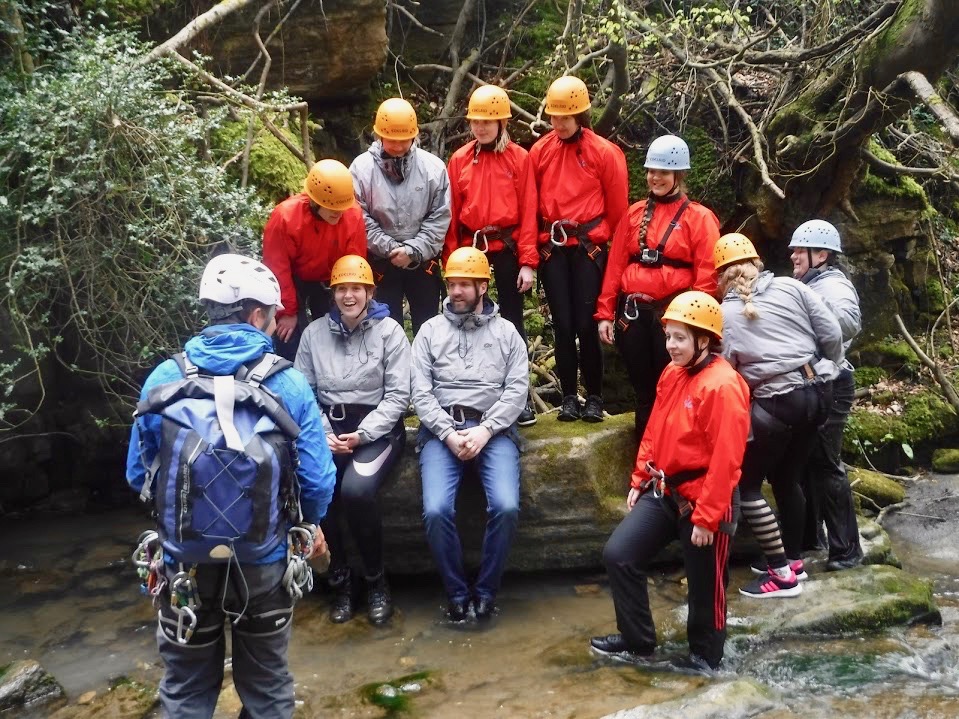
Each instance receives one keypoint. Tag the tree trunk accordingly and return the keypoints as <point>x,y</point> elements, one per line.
<point>815,143</point>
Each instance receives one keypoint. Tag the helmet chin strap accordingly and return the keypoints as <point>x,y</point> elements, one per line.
<point>698,356</point>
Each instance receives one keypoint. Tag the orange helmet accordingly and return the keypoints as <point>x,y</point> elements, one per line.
<point>733,248</point>
<point>468,263</point>
<point>396,120</point>
<point>489,102</point>
<point>567,96</point>
<point>351,269</point>
<point>330,185</point>
<point>696,309</point>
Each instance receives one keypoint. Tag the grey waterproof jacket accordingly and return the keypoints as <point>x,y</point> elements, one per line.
<point>368,366</point>
<point>477,360</point>
<point>794,328</point>
<point>413,212</point>
<point>839,295</point>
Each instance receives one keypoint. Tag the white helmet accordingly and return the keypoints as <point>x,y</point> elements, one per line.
<point>817,235</point>
<point>667,153</point>
<point>230,279</point>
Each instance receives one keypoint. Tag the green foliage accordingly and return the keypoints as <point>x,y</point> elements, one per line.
<point>868,376</point>
<point>706,181</point>
<point>900,188</point>
<point>124,11</point>
<point>109,210</point>
<point>924,418</point>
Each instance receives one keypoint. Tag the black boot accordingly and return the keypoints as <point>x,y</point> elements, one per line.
<point>379,600</point>
<point>570,409</point>
<point>341,610</point>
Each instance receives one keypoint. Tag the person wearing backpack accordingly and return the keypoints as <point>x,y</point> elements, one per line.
<point>228,445</point>
<point>305,235</point>
<point>357,360</point>
<point>470,381</point>
<point>663,246</point>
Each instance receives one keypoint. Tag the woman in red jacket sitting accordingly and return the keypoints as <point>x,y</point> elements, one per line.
<point>683,488</point>
<point>662,247</point>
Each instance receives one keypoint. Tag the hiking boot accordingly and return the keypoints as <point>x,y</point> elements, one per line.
<point>837,565</point>
<point>693,663</point>
<point>484,608</point>
<point>527,417</point>
<point>458,610</point>
<point>761,567</point>
<point>594,409</point>
<point>341,610</point>
<point>570,410</point>
<point>378,599</point>
<point>771,586</point>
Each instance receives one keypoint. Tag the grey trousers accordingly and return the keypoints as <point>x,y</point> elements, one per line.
<point>194,671</point>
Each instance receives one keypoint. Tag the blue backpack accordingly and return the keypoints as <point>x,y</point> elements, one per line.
<point>224,479</point>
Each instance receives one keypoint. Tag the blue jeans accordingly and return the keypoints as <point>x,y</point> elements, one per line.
<point>498,468</point>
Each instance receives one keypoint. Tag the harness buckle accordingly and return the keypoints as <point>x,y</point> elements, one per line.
<point>561,225</point>
<point>331,413</point>
<point>650,257</point>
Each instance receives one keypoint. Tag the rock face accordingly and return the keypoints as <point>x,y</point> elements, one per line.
<point>324,51</point>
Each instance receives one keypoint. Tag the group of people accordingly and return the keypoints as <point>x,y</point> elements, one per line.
<point>727,395</point>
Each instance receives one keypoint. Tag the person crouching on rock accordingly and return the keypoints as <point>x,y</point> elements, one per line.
<point>684,487</point>
<point>357,360</point>
<point>470,382</point>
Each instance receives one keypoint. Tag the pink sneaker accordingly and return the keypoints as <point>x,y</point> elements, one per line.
<point>760,567</point>
<point>771,585</point>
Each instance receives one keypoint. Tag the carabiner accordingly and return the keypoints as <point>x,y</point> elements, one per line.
<point>630,309</point>
<point>462,415</point>
<point>658,479</point>
<point>183,634</point>
<point>562,229</point>
<point>301,539</point>
<point>334,417</point>
<point>476,236</point>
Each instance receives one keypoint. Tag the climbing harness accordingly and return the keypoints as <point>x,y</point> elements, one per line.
<point>658,481</point>
<point>560,232</point>
<point>656,258</point>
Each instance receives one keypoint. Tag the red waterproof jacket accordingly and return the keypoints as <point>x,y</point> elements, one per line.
<point>692,240</point>
<point>298,244</point>
<point>580,180</point>
<point>700,421</point>
<point>499,189</point>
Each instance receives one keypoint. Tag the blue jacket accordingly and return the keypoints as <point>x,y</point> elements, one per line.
<point>221,350</point>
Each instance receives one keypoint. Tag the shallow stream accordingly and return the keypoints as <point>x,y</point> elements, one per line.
<point>70,599</point>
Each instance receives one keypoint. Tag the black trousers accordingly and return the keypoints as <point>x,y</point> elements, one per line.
<point>312,296</point>
<point>506,271</point>
<point>572,282</point>
<point>642,345</point>
<point>825,484</point>
<point>651,525</point>
<point>355,507</point>
<point>420,288</point>
<point>778,451</point>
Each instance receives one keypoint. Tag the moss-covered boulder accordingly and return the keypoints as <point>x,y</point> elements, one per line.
<point>878,488</point>
<point>573,484</point>
<point>731,700</point>
<point>946,460</point>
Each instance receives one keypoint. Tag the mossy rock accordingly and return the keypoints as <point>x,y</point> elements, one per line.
<point>736,699</point>
<point>27,684</point>
<point>868,376</point>
<point>945,461</point>
<point>274,172</point>
<point>925,417</point>
<point>882,490</point>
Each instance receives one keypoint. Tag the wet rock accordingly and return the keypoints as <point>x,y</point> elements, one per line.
<point>879,488</point>
<point>26,683</point>
<point>946,461</point>
<point>731,700</point>
<point>927,527</point>
<point>876,545</point>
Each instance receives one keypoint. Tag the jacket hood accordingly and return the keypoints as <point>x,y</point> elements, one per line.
<point>471,320</point>
<point>396,169</point>
<point>375,311</point>
<point>222,349</point>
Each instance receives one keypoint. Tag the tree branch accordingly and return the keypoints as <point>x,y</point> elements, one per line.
<point>211,17</point>
<point>413,19</point>
<point>459,31</point>
<point>889,169</point>
<point>939,107</point>
<point>947,389</point>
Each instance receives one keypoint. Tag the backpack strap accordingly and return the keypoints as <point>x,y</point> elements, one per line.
<point>657,257</point>
<point>187,368</point>
<point>258,371</point>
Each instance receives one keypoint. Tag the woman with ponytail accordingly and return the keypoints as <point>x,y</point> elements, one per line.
<point>664,246</point>
<point>494,206</point>
<point>786,344</point>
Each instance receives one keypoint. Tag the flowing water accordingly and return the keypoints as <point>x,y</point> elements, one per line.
<point>70,599</point>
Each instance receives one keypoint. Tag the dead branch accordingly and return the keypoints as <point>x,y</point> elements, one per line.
<point>889,169</point>
<point>620,86</point>
<point>889,509</point>
<point>940,108</point>
<point>269,37</point>
<point>517,110</point>
<point>399,8</point>
<point>264,74</point>
<point>947,389</point>
<point>211,17</point>
<point>574,19</point>
<point>459,31</point>
<point>452,96</point>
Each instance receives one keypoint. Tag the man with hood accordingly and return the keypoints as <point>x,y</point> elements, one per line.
<point>404,192</point>
<point>245,583</point>
<point>470,382</point>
